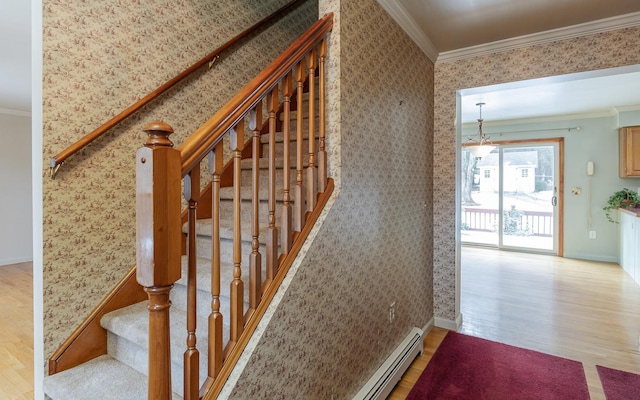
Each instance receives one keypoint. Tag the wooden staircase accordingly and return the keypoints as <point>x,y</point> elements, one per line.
<point>237,241</point>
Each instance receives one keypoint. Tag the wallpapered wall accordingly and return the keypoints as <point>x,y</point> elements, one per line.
<point>99,58</point>
<point>599,51</point>
<point>331,331</point>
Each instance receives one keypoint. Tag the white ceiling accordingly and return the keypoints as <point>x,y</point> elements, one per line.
<point>448,26</point>
<point>595,93</point>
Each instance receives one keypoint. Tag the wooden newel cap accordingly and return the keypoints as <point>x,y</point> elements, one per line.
<point>158,134</point>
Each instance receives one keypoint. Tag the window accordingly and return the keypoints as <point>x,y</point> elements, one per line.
<point>487,173</point>
<point>525,172</point>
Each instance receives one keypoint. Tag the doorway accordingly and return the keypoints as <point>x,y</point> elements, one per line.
<point>512,198</point>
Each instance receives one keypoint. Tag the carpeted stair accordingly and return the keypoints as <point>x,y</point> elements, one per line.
<point>122,373</point>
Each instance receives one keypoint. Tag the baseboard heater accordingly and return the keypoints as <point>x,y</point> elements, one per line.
<point>390,372</point>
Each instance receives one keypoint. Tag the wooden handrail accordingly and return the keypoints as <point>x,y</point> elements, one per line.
<point>158,257</point>
<point>57,161</point>
<point>204,139</point>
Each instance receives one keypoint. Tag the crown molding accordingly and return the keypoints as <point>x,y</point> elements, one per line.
<point>612,112</point>
<point>619,109</point>
<point>15,112</point>
<point>409,25</point>
<point>569,32</point>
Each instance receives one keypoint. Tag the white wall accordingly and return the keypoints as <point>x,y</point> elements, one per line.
<point>597,141</point>
<point>16,230</point>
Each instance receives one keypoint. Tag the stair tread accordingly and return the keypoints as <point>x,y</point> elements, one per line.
<point>132,323</point>
<point>103,376</point>
<point>263,162</point>
<point>203,275</point>
<point>246,192</point>
<point>293,133</point>
<point>203,228</point>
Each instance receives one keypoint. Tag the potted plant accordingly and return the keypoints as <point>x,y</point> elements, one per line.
<point>625,198</point>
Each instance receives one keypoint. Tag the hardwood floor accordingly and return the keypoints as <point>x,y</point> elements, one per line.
<point>581,310</point>
<point>16,331</point>
<point>585,311</point>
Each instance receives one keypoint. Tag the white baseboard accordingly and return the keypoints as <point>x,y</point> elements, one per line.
<point>9,261</point>
<point>591,257</point>
<point>427,328</point>
<point>390,372</point>
<point>449,324</point>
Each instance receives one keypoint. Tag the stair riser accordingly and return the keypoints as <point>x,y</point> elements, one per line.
<point>305,105</point>
<point>203,299</point>
<point>226,212</point>
<point>293,160</point>
<point>246,178</point>
<point>203,249</point>
<point>137,358</point>
<point>293,133</point>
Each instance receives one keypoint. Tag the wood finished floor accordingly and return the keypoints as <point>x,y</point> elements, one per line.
<point>585,311</point>
<point>581,310</point>
<point>16,331</point>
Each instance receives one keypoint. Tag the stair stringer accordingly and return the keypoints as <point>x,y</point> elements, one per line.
<point>282,282</point>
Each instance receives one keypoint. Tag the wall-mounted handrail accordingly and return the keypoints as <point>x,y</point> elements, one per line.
<point>57,161</point>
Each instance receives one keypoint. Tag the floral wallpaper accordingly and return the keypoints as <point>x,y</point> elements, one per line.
<point>587,53</point>
<point>99,58</point>
<point>389,236</point>
<point>331,330</point>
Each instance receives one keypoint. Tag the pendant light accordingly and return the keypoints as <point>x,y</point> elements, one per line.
<point>482,145</point>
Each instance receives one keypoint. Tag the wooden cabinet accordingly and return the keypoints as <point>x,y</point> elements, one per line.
<point>630,243</point>
<point>629,144</point>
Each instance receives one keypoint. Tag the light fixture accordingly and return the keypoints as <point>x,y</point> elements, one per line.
<point>484,145</point>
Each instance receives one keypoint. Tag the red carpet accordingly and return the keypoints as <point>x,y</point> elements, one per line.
<point>469,368</point>
<point>619,385</point>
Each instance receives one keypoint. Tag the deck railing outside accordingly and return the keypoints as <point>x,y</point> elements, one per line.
<point>517,222</point>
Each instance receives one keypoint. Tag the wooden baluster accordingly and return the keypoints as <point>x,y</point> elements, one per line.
<point>255,259</point>
<point>158,243</point>
<point>191,355</point>
<point>237,286</point>
<point>312,173</point>
<point>322,154</point>
<point>299,207</point>
<point>272,231</point>
<point>216,166</point>
<point>287,213</point>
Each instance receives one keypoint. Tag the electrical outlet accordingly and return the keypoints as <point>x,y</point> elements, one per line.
<point>392,312</point>
<point>592,234</point>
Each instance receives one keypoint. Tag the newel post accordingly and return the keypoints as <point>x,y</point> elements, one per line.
<point>158,243</point>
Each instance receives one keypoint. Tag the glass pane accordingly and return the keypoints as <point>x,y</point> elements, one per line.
<point>527,192</point>
<point>479,193</point>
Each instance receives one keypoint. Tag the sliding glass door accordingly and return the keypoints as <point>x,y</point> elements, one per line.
<point>510,197</point>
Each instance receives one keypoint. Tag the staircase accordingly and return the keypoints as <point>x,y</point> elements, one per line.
<point>124,369</point>
<point>123,372</point>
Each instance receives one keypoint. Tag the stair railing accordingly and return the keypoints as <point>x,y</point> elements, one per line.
<point>56,161</point>
<point>163,170</point>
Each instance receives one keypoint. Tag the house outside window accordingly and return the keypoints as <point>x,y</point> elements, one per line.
<point>516,167</point>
